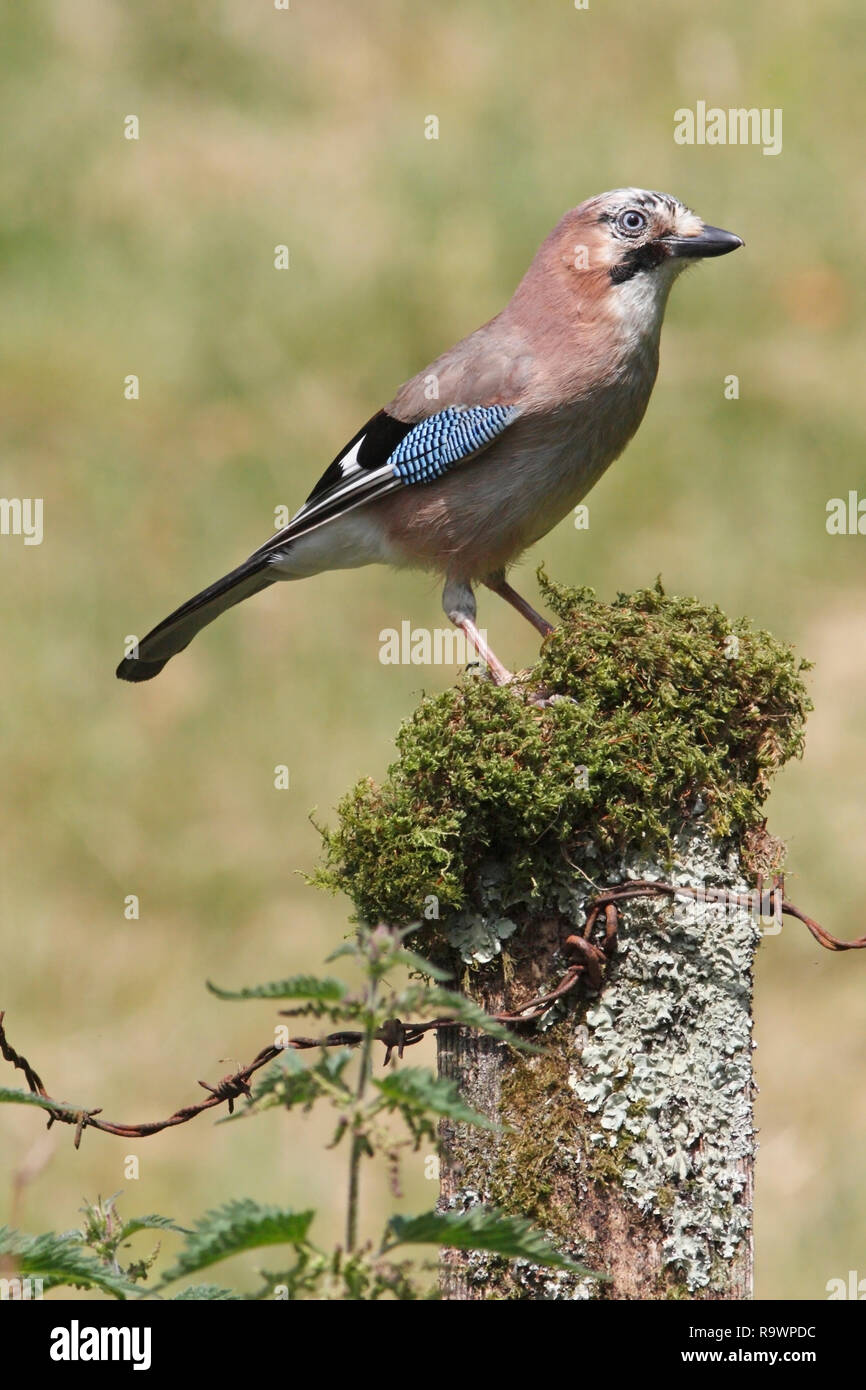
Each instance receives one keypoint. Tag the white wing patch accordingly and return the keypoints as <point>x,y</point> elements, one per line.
<point>350,463</point>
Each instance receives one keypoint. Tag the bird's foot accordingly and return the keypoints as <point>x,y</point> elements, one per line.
<point>543,700</point>
<point>518,682</point>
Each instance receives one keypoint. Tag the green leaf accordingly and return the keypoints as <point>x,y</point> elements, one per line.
<point>403,956</point>
<point>205,1293</point>
<point>473,1016</point>
<point>60,1260</point>
<point>235,1227</point>
<point>150,1223</point>
<point>333,1063</point>
<point>346,948</point>
<point>287,1083</point>
<point>417,1090</point>
<point>9,1096</point>
<point>324,990</point>
<point>482,1228</point>
<point>381,951</point>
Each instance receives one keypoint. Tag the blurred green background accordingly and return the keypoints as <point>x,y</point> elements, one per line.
<point>260,127</point>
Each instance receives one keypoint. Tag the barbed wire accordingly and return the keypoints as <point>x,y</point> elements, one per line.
<point>396,1035</point>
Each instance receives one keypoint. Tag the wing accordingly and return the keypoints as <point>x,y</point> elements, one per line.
<point>389,454</point>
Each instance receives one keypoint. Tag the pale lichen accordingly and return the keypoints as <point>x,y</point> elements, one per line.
<point>668,1059</point>
<point>660,1061</point>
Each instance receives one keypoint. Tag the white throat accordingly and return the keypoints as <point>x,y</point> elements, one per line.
<point>639,303</point>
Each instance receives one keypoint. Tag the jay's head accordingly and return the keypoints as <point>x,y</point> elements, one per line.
<point>637,233</point>
<point>621,252</point>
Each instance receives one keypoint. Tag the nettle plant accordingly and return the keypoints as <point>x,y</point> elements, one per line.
<point>364,1104</point>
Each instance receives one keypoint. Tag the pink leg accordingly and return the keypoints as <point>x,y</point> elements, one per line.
<point>499,584</point>
<point>501,675</point>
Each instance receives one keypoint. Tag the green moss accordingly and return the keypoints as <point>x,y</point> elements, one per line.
<point>678,1292</point>
<point>668,700</point>
<point>538,1106</point>
<point>606,1162</point>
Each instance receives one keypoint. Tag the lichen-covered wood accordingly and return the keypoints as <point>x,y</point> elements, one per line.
<point>630,1137</point>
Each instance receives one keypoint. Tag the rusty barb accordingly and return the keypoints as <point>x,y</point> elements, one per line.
<point>602,913</point>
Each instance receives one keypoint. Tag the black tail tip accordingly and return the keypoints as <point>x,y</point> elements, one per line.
<point>132,668</point>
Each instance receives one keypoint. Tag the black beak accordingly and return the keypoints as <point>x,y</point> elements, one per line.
<point>710,241</point>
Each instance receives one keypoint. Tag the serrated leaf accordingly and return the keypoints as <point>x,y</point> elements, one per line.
<point>482,1228</point>
<point>333,1063</point>
<point>457,1006</point>
<point>320,989</point>
<point>286,1083</point>
<point>418,1090</point>
<point>205,1293</point>
<point>60,1260</point>
<point>235,1227</point>
<point>150,1223</point>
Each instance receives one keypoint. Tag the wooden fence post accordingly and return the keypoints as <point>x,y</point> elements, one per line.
<point>630,1138</point>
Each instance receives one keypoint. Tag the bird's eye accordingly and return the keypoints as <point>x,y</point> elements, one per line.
<point>631,221</point>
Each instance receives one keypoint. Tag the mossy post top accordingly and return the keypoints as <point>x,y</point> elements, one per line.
<point>666,709</point>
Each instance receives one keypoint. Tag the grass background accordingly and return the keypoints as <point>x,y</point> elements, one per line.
<point>155,257</point>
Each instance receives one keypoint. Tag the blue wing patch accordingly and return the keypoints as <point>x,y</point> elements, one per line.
<point>434,445</point>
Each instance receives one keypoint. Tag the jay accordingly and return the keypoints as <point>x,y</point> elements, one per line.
<point>485,450</point>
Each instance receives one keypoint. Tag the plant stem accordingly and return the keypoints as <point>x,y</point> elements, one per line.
<point>356,1149</point>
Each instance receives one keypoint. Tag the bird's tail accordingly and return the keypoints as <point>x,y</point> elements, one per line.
<point>177,630</point>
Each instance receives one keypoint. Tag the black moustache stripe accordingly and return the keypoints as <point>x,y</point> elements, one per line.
<point>645,257</point>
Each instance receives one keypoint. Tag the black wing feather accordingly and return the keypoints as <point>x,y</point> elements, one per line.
<point>381,435</point>
<point>339,491</point>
